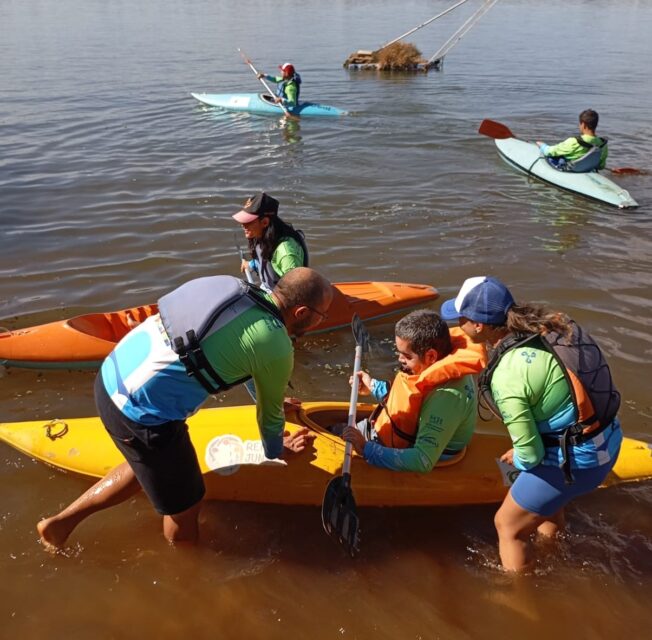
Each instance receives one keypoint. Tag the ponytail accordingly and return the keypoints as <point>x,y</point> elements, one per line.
<point>536,318</point>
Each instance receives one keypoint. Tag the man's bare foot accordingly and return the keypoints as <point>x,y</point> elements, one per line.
<point>53,533</point>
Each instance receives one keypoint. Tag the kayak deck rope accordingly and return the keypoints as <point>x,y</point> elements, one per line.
<point>537,160</point>
<point>50,426</point>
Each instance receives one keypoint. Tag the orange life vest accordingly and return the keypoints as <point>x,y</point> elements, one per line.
<point>397,419</point>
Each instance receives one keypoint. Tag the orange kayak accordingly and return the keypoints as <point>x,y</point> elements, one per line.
<point>84,341</point>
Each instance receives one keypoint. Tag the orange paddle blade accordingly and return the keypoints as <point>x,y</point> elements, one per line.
<point>495,130</point>
<point>621,171</point>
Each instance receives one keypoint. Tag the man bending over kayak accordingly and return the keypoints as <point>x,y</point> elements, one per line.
<point>587,147</point>
<point>429,411</point>
<point>289,85</point>
<point>210,334</point>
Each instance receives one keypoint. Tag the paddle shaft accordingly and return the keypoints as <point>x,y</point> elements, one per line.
<point>357,364</point>
<point>250,276</point>
<point>251,66</point>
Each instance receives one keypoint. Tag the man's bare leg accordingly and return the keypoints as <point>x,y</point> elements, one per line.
<point>182,527</point>
<point>118,485</point>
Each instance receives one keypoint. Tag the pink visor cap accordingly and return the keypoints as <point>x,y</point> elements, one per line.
<point>257,206</point>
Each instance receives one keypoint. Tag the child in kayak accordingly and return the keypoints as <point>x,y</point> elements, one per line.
<point>289,85</point>
<point>276,247</point>
<point>583,153</point>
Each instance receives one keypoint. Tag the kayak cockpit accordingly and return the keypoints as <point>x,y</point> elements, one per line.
<point>271,100</point>
<point>322,417</point>
<point>112,326</point>
<point>265,97</point>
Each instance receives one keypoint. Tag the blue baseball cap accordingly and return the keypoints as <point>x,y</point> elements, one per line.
<point>481,299</point>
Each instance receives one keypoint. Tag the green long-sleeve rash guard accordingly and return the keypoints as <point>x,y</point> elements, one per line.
<point>571,149</point>
<point>528,387</point>
<point>290,90</point>
<point>446,420</point>
<point>287,256</point>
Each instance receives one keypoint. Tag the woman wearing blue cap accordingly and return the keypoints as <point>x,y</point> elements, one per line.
<point>549,383</point>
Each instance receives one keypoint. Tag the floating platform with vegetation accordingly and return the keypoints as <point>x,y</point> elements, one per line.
<point>400,56</point>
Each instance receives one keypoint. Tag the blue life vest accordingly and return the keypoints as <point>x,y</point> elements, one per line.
<point>280,88</point>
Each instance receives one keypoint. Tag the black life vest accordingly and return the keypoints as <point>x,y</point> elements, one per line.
<point>191,313</point>
<point>268,276</point>
<point>591,385</point>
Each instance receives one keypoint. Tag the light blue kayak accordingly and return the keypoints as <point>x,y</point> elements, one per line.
<point>263,104</point>
<point>526,157</point>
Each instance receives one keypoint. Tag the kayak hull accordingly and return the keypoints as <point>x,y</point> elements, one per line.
<point>84,341</point>
<point>526,157</point>
<point>256,103</point>
<point>231,456</point>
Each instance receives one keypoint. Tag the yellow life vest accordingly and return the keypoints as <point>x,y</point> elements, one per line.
<point>397,419</point>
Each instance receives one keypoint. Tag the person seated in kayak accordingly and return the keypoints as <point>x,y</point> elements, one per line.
<point>276,247</point>
<point>567,154</point>
<point>210,334</point>
<point>428,413</point>
<point>289,85</point>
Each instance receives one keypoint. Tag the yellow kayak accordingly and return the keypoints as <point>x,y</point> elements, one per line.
<point>235,468</point>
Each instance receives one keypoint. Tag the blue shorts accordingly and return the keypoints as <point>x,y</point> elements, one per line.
<point>557,163</point>
<point>542,490</point>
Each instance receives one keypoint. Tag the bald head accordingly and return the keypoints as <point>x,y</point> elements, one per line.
<point>302,286</point>
<point>303,296</point>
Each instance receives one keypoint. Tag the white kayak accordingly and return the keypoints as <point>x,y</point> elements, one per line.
<point>526,157</point>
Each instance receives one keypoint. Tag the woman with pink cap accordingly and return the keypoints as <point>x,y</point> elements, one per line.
<point>276,247</point>
<point>289,85</point>
<point>550,384</point>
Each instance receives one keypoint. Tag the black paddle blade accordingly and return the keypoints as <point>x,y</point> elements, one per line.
<point>495,130</point>
<point>360,333</point>
<point>339,514</point>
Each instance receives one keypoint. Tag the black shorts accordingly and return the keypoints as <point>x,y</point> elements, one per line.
<point>161,456</point>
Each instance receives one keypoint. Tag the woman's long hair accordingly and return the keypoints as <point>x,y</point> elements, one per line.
<point>273,234</point>
<point>536,318</point>
<point>526,318</point>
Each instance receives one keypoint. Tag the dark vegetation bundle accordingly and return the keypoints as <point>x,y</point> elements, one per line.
<point>397,56</point>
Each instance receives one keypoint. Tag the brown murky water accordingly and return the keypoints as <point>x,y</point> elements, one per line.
<point>115,187</point>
